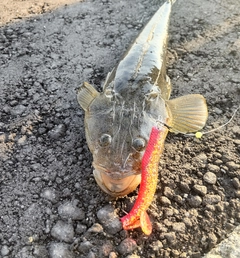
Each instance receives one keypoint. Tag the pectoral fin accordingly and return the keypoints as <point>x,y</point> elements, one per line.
<point>86,94</point>
<point>188,113</point>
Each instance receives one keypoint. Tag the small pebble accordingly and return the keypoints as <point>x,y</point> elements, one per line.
<point>183,255</point>
<point>179,227</point>
<point>96,228</point>
<point>2,138</point>
<point>212,240</point>
<point>168,192</point>
<point>50,194</point>
<point>218,162</point>
<point>24,130</point>
<point>198,255</point>
<point>187,222</point>
<point>85,247</point>
<point>18,110</point>
<point>201,158</point>
<point>57,132</point>
<point>91,255</point>
<point>5,250</point>
<point>236,128</point>
<point>237,193</point>
<point>174,253</point>
<point>211,199</point>
<point>232,165</point>
<point>236,183</point>
<point>218,111</point>
<point>11,136</point>
<point>184,187</point>
<point>229,227</point>
<point>167,222</point>
<point>210,207</point>
<point>219,207</point>
<point>106,249</point>
<point>213,168</point>
<point>40,251</point>
<point>109,220</point>
<point>127,246</point>
<point>236,141</point>
<point>22,140</point>
<point>156,245</point>
<point>63,231</point>
<point>171,237</point>
<point>133,256</point>
<point>165,201</point>
<point>60,250</point>
<point>210,178</point>
<point>42,130</point>
<point>81,229</point>
<point>195,201</point>
<point>69,210</point>
<point>180,51</point>
<point>178,199</point>
<point>112,255</point>
<point>9,31</point>
<point>200,189</point>
<point>160,227</point>
<point>168,212</point>
<point>106,213</point>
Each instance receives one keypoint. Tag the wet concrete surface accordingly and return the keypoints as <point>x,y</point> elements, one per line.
<point>50,203</point>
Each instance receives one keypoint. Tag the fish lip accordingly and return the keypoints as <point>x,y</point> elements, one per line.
<point>117,186</point>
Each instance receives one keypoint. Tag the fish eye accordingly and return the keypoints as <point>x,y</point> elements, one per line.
<point>138,144</point>
<point>105,140</point>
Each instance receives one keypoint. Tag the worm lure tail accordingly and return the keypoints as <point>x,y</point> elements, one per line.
<point>138,216</point>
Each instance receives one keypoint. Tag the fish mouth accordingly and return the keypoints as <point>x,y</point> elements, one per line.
<point>116,186</point>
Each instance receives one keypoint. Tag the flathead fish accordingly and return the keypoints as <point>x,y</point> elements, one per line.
<point>135,99</point>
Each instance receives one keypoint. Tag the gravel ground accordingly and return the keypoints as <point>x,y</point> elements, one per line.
<point>228,247</point>
<point>15,10</point>
<point>50,204</point>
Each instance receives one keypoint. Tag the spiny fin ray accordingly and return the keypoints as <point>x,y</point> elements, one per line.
<point>86,94</point>
<point>188,113</point>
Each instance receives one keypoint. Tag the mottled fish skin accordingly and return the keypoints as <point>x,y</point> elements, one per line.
<point>143,67</point>
<point>135,98</point>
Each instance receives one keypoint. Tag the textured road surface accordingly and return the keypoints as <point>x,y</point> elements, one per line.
<point>50,204</point>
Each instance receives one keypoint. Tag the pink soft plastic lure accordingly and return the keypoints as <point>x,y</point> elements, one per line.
<point>138,216</point>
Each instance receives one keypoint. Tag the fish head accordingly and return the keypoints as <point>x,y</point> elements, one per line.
<point>117,147</point>
<point>117,132</point>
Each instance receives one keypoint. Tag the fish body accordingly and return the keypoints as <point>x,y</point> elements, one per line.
<point>135,99</point>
